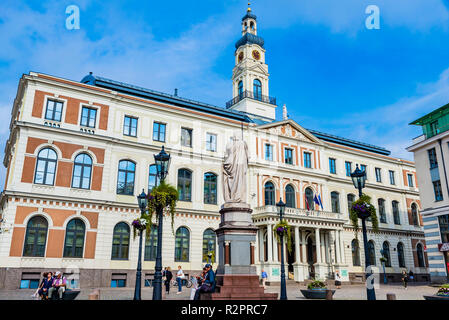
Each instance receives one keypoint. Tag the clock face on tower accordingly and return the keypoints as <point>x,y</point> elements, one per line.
<point>240,56</point>
<point>256,55</point>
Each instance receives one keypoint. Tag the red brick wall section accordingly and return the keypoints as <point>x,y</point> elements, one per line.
<point>99,153</point>
<point>64,174</point>
<point>28,169</point>
<point>38,104</point>
<point>104,114</point>
<point>33,143</point>
<point>55,243</point>
<point>91,241</point>
<point>67,149</point>
<point>97,178</point>
<point>18,237</point>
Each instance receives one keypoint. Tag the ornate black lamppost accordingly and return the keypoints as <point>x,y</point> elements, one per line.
<point>162,161</point>
<point>143,202</point>
<point>281,208</point>
<point>358,179</point>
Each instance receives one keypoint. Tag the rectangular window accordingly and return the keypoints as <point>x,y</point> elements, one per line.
<point>29,281</point>
<point>268,152</point>
<point>437,190</point>
<point>332,166</point>
<point>118,280</point>
<point>434,128</point>
<point>288,156</point>
<point>88,117</point>
<point>307,160</point>
<point>410,180</point>
<point>432,158</point>
<point>130,126</point>
<point>444,227</point>
<point>211,142</point>
<point>159,131</point>
<point>186,137</point>
<point>348,166</point>
<point>392,182</point>
<point>378,175</point>
<point>54,110</point>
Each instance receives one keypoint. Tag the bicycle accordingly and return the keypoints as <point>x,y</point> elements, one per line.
<point>184,282</point>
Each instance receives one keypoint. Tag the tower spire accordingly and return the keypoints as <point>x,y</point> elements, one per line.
<point>249,7</point>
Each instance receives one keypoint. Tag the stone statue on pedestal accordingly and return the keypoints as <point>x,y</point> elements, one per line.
<point>235,167</point>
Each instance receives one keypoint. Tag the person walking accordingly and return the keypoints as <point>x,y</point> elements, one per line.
<point>179,277</point>
<point>404,278</point>
<point>264,278</point>
<point>337,279</point>
<point>168,277</point>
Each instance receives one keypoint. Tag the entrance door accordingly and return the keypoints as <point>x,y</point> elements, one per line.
<point>290,255</point>
<point>311,257</point>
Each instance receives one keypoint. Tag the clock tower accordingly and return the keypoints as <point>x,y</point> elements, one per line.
<point>250,74</point>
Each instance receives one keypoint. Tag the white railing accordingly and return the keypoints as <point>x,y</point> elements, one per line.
<point>300,212</point>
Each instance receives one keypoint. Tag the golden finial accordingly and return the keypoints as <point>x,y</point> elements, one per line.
<point>249,6</point>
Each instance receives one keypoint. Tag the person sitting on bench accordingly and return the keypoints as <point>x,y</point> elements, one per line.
<point>59,285</point>
<point>208,285</point>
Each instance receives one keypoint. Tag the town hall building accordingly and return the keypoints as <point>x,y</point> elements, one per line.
<point>79,153</point>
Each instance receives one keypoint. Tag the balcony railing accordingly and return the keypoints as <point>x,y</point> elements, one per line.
<point>251,95</point>
<point>300,213</point>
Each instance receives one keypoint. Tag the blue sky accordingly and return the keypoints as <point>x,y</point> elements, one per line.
<point>333,74</point>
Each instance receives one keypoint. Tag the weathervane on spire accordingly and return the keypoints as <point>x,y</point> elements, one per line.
<point>249,6</point>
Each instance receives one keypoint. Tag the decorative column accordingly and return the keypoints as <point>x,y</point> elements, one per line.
<point>337,247</point>
<point>275,250</point>
<point>270,242</point>
<point>297,253</point>
<point>304,248</point>
<point>261,247</point>
<point>326,248</point>
<point>342,247</point>
<point>317,246</point>
<point>323,252</point>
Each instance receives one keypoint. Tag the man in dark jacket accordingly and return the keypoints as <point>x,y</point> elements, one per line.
<point>168,277</point>
<point>208,285</point>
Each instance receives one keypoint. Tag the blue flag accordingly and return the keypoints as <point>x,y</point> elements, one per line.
<point>315,199</point>
<point>321,203</point>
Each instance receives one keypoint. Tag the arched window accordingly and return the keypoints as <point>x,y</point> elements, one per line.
<point>153,180</point>
<point>126,173</point>
<point>415,214</point>
<point>372,253</point>
<point>420,254</point>
<point>240,89</point>
<point>120,242</point>
<point>290,196</point>
<point>386,253</point>
<point>396,217</point>
<point>351,199</point>
<point>257,89</point>
<point>74,239</point>
<point>269,194</point>
<point>151,244</point>
<point>210,188</point>
<point>401,257</point>
<point>182,243</point>
<point>209,245</point>
<point>309,199</point>
<point>82,170</point>
<point>36,237</point>
<point>355,253</point>
<point>46,167</point>
<point>382,214</point>
<point>185,185</point>
<point>335,200</point>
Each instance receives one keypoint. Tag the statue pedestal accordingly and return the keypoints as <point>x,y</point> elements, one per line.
<point>236,273</point>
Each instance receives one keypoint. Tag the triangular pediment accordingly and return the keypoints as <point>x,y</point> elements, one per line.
<point>291,129</point>
<point>255,68</point>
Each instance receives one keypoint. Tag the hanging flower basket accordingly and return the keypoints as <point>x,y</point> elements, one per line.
<point>165,196</point>
<point>443,291</point>
<point>283,229</point>
<point>139,224</point>
<point>363,208</point>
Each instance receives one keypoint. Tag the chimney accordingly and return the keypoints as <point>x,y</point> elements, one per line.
<point>176,92</point>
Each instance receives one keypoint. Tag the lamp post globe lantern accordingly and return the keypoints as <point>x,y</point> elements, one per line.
<point>281,210</point>
<point>143,202</point>
<point>358,179</point>
<point>162,160</point>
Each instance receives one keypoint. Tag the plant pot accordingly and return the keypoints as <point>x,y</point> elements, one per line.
<point>435,297</point>
<point>315,293</point>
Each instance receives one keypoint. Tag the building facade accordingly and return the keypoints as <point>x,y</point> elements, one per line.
<point>431,152</point>
<point>79,153</point>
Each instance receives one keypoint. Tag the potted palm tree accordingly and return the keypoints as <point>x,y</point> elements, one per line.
<point>316,290</point>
